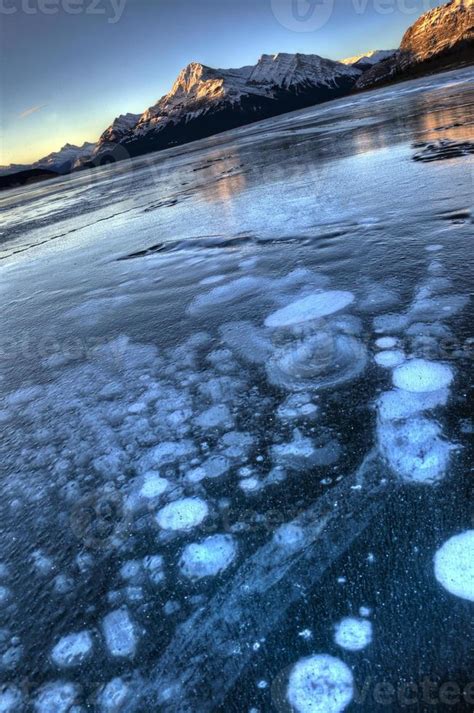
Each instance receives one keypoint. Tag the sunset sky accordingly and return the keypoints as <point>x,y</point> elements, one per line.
<point>65,76</point>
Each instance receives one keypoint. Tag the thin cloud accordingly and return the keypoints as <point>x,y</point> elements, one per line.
<point>31,110</point>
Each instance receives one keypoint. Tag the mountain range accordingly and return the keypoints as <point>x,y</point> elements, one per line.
<point>205,101</point>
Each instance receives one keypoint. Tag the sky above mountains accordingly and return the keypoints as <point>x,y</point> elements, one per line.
<point>69,67</point>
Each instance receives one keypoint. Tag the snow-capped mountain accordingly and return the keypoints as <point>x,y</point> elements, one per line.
<point>368,59</point>
<point>61,161</point>
<point>441,37</point>
<point>204,101</point>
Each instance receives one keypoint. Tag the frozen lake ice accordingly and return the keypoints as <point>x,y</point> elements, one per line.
<point>236,409</point>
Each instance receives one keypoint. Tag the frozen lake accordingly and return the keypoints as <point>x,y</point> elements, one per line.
<point>236,409</point>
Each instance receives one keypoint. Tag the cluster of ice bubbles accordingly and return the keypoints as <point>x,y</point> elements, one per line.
<point>157,432</point>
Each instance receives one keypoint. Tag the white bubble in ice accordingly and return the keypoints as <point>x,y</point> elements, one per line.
<point>154,566</point>
<point>454,565</point>
<point>399,404</point>
<point>420,375</point>
<point>249,485</point>
<point>113,696</point>
<point>390,358</point>
<point>58,696</point>
<point>393,322</point>
<point>182,514</point>
<point>72,650</point>
<point>320,360</point>
<point>10,699</point>
<point>208,557</point>
<point>231,291</point>
<point>386,343</point>
<point>353,634</point>
<point>119,632</point>
<point>314,306</point>
<point>215,417</point>
<point>289,535</point>
<point>320,684</point>
<point>153,485</point>
<point>415,449</point>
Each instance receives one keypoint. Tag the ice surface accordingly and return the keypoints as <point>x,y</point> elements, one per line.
<point>353,634</point>
<point>454,565</point>
<point>313,306</point>
<point>120,633</point>
<point>320,684</point>
<point>247,340</point>
<point>182,514</point>
<point>72,649</point>
<point>420,375</point>
<point>208,557</point>
<point>230,292</point>
<point>95,444</point>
